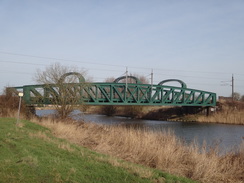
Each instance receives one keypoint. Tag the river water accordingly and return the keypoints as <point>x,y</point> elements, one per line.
<point>227,137</point>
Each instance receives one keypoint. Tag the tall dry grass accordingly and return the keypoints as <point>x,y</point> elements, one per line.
<point>158,150</point>
<point>230,113</point>
<point>226,117</point>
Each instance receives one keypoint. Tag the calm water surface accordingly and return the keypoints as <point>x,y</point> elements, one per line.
<point>229,137</point>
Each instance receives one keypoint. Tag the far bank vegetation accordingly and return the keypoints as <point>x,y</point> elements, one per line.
<point>227,112</point>
<point>224,112</point>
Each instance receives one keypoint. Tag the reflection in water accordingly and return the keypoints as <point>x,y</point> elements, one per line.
<point>227,136</point>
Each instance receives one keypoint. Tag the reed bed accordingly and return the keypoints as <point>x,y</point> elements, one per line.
<point>236,117</point>
<point>158,150</point>
<point>227,116</point>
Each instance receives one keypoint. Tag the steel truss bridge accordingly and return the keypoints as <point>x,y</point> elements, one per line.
<point>119,92</point>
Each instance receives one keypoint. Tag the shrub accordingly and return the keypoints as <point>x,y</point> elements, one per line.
<point>108,110</point>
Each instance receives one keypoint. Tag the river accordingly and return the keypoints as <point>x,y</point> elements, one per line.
<point>228,137</point>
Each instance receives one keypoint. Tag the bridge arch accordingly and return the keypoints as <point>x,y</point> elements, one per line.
<point>124,77</point>
<point>79,76</point>
<point>183,84</point>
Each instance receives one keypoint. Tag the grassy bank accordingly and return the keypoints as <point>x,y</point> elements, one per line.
<point>30,153</point>
<point>157,150</point>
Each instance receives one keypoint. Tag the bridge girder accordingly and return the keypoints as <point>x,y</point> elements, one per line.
<point>116,93</point>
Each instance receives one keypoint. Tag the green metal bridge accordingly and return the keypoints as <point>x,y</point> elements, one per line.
<point>119,92</point>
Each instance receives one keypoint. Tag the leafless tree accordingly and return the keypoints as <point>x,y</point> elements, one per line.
<point>62,83</point>
<point>242,98</point>
<point>236,96</point>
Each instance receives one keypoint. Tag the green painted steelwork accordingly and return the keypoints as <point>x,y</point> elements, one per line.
<point>120,94</point>
<point>183,85</point>
<point>116,93</point>
<point>78,75</point>
<point>127,77</point>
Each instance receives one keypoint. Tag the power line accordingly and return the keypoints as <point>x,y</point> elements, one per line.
<point>114,65</point>
<point>25,63</point>
<point>67,60</point>
<point>59,59</point>
<point>16,72</point>
<point>110,70</point>
<point>28,63</point>
<point>190,76</point>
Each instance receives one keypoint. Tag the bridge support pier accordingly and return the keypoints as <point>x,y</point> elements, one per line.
<point>208,111</point>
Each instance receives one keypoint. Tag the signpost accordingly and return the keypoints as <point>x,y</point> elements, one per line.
<point>20,96</point>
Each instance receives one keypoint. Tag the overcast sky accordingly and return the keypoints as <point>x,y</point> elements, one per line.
<point>199,42</point>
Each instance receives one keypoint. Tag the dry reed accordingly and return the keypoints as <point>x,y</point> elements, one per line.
<point>158,150</point>
<point>227,116</point>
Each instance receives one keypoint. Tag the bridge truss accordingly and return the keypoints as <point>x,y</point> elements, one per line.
<point>118,93</point>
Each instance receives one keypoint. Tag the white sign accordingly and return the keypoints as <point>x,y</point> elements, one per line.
<point>21,94</point>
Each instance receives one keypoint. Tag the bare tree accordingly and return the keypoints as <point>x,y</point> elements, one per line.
<point>242,98</point>
<point>62,83</point>
<point>236,96</point>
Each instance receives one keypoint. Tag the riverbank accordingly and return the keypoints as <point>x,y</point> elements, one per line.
<point>157,150</point>
<point>228,113</point>
<point>30,153</point>
<point>224,112</point>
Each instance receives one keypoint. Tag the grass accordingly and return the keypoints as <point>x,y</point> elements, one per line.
<point>30,153</point>
<point>162,151</point>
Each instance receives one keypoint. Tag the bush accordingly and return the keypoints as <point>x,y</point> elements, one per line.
<point>109,110</point>
<point>9,104</point>
<point>133,111</point>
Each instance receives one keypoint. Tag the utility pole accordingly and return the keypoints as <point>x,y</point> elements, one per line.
<point>151,84</point>
<point>152,77</point>
<point>232,84</point>
<point>126,77</point>
<point>227,83</point>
